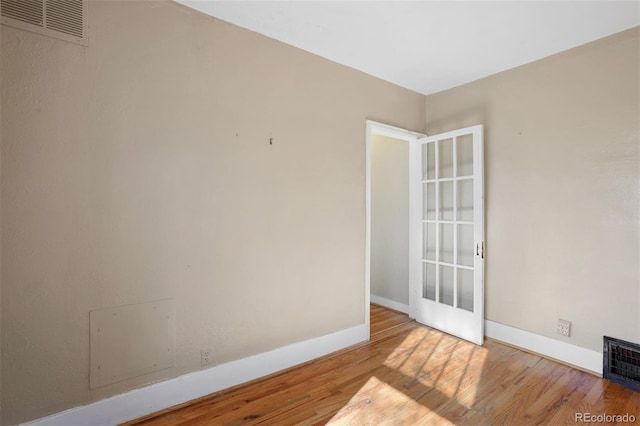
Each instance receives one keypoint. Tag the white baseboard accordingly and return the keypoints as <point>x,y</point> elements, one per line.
<point>158,396</point>
<point>152,398</point>
<point>391,304</point>
<point>578,356</point>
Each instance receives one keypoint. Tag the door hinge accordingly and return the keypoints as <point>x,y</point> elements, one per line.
<point>480,249</point>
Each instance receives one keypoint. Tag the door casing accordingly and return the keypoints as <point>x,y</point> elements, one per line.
<point>374,127</point>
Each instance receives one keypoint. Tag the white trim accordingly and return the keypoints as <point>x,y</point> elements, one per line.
<point>415,216</point>
<point>391,304</point>
<point>578,356</point>
<point>140,402</point>
<point>374,127</point>
<point>367,232</point>
<point>392,131</point>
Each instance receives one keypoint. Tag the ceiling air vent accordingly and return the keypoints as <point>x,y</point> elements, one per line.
<point>63,19</point>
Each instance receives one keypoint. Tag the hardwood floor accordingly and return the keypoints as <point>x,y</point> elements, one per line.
<point>409,374</point>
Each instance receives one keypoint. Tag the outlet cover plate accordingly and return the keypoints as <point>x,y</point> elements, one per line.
<point>205,357</point>
<point>564,327</point>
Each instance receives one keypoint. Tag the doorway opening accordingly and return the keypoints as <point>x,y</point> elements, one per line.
<point>390,222</point>
<point>388,218</point>
<point>425,231</point>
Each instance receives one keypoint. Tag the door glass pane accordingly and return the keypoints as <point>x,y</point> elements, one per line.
<point>446,200</point>
<point>446,285</point>
<point>465,245</point>
<point>429,281</point>
<point>429,161</point>
<point>445,158</point>
<point>446,243</point>
<point>429,201</point>
<point>429,241</point>
<point>464,200</point>
<point>464,154</point>
<point>465,289</point>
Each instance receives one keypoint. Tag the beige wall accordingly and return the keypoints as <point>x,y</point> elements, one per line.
<point>140,169</point>
<point>562,188</point>
<point>390,218</point>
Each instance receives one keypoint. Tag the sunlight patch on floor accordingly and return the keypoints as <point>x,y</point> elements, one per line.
<point>378,403</point>
<point>438,361</point>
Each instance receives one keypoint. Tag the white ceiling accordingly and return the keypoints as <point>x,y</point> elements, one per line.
<point>429,46</point>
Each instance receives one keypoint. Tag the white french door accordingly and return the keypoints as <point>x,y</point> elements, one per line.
<point>447,228</point>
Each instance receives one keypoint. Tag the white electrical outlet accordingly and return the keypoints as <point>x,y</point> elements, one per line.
<point>564,327</point>
<point>205,357</point>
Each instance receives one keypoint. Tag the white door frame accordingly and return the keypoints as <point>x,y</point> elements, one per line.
<point>374,127</point>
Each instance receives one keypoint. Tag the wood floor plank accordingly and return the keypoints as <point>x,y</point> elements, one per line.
<point>409,374</point>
